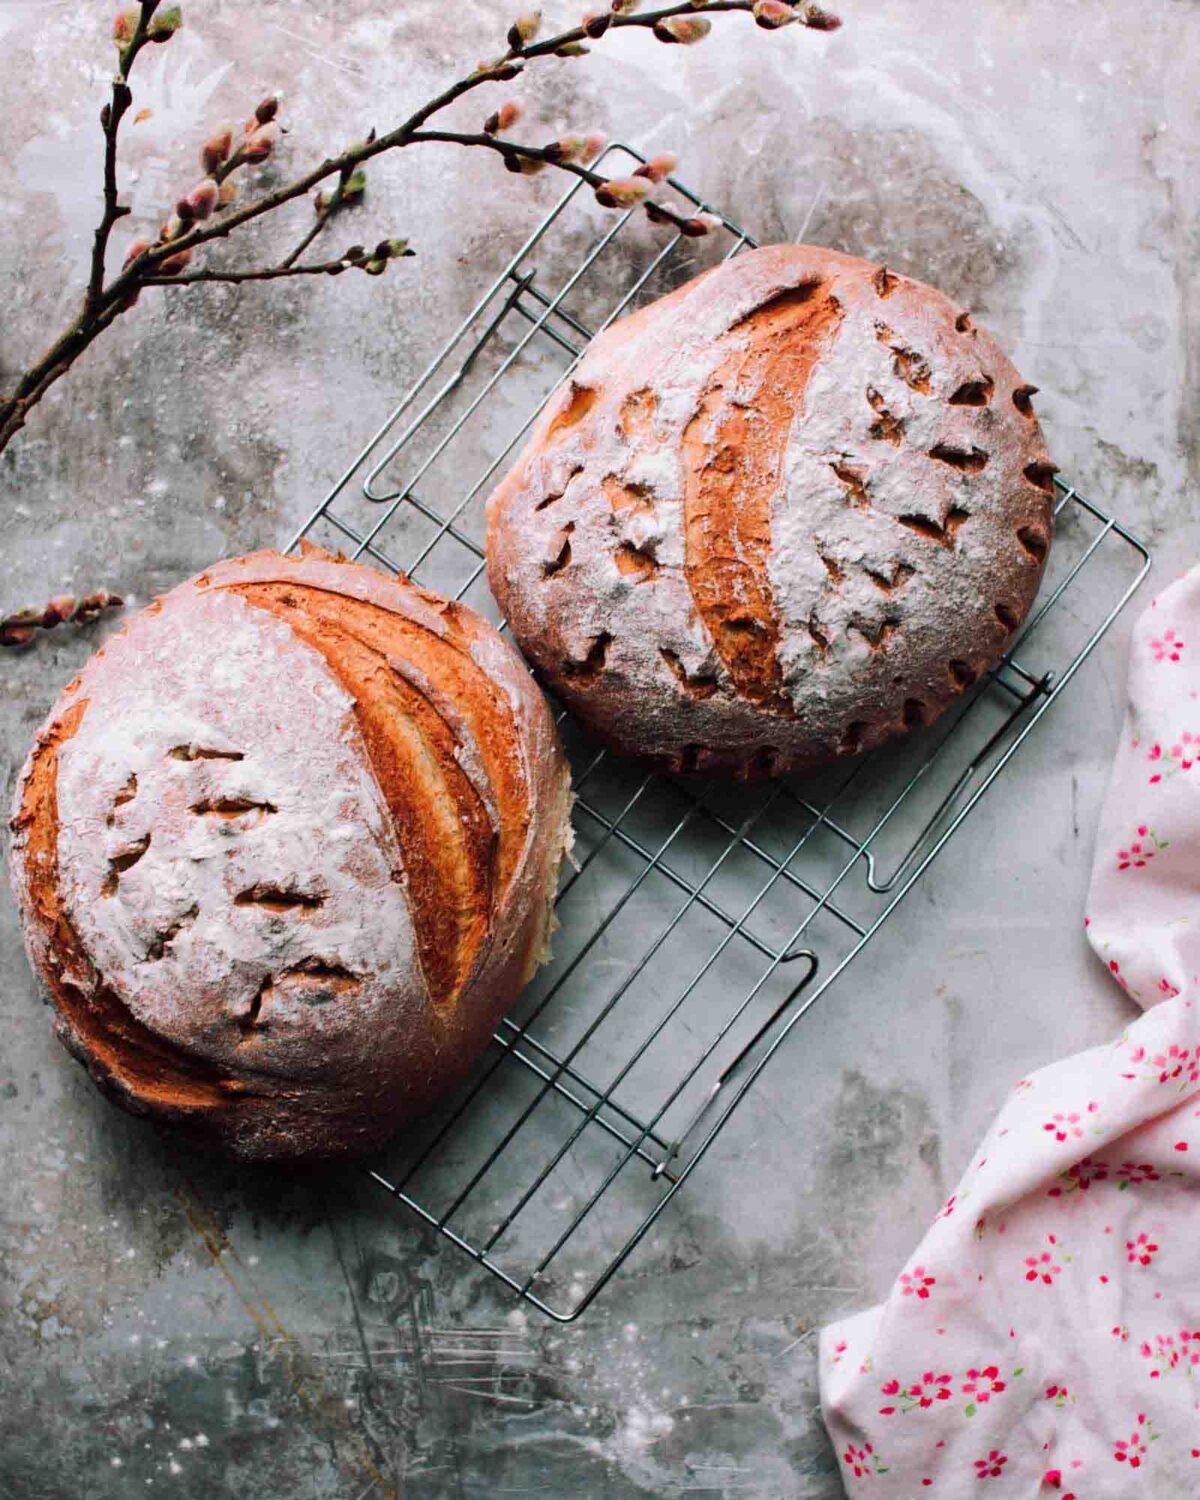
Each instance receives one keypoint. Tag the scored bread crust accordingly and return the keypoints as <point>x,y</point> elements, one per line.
<point>780,515</point>
<point>286,850</point>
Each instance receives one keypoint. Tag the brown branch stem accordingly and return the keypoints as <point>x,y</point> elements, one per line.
<point>294,255</point>
<point>261,273</point>
<point>110,119</point>
<point>530,153</point>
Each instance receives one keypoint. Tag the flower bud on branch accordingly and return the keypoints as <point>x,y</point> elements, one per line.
<point>528,166</point>
<point>658,167</point>
<point>348,192</point>
<point>263,115</point>
<point>685,30</point>
<point>259,146</point>
<point>503,118</point>
<point>772,14</point>
<point>165,24</point>
<point>596,23</point>
<point>344,195</point>
<point>817,19</point>
<point>574,148</point>
<point>19,629</point>
<point>501,68</point>
<point>216,149</point>
<point>125,23</point>
<point>175,263</point>
<point>135,250</point>
<point>393,250</point>
<point>203,199</point>
<point>572,49</point>
<point>701,224</point>
<point>623,192</point>
<point>524,30</point>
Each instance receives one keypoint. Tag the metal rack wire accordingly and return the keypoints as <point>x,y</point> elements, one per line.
<point>698,923</point>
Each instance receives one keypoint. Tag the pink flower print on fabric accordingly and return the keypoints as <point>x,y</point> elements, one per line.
<point>916,1283</point>
<point>1133,1449</point>
<point>1167,1352</point>
<point>862,1462</point>
<point>1168,758</point>
<point>1064,1126</point>
<point>929,1388</point>
<point>1189,1346</point>
<point>1114,968</point>
<point>982,1385</point>
<point>1053,1478</point>
<point>1174,1064</point>
<point>1079,1178</point>
<point>1141,850</point>
<point>1167,647</point>
<point>992,1466</point>
<point>919,1396</point>
<point>1103,1331</point>
<point>1141,1252</point>
<point>1131,1173</point>
<point>1045,1267</point>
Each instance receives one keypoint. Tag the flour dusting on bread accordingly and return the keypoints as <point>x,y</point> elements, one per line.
<point>778,516</point>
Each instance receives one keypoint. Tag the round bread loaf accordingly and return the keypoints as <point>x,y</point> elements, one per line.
<point>789,510</point>
<point>286,850</point>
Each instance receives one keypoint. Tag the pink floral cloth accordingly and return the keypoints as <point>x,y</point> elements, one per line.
<point>1044,1338</point>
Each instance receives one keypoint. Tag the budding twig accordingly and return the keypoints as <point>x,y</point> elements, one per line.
<point>370,261</point>
<point>208,213</point>
<point>130,33</point>
<point>20,629</point>
<point>610,192</point>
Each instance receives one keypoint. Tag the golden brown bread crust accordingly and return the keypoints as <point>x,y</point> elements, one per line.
<point>731,479</point>
<point>286,851</point>
<point>790,510</point>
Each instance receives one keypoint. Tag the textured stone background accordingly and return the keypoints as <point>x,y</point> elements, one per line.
<point>168,1323</point>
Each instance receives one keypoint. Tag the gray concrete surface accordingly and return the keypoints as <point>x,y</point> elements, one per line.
<point>170,1324</point>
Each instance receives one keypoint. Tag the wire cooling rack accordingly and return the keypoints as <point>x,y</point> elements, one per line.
<point>699,922</point>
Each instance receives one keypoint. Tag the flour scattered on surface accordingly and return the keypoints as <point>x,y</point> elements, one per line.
<point>640,1427</point>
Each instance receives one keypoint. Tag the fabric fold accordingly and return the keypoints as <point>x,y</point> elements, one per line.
<point>1044,1337</point>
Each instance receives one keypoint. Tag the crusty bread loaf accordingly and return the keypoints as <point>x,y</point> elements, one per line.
<point>791,509</point>
<point>286,850</point>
